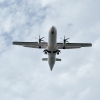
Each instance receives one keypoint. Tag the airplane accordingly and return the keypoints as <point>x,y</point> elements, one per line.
<point>52,47</point>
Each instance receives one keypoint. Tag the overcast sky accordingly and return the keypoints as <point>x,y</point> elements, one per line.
<point>23,74</point>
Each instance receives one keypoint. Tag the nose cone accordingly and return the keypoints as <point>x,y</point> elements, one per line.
<point>52,28</point>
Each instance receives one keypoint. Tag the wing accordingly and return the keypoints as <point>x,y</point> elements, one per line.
<point>31,44</point>
<point>73,45</point>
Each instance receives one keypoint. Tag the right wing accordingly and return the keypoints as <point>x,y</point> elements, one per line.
<point>73,45</point>
<point>31,44</point>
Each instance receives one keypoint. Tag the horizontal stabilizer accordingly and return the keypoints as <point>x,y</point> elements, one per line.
<point>57,59</point>
<point>44,59</point>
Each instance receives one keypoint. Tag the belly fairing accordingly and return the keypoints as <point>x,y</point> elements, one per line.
<point>51,61</point>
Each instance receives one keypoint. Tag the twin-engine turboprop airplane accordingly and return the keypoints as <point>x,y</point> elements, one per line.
<point>52,47</point>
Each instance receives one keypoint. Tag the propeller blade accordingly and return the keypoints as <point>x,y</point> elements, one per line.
<point>42,38</point>
<point>61,38</point>
<point>39,36</point>
<point>67,39</point>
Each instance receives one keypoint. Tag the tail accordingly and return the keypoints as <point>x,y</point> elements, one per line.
<point>46,59</point>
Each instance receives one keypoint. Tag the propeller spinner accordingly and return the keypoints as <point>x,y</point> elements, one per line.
<point>40,39</point>
<point>64,42</point>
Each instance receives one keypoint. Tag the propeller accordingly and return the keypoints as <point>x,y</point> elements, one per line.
<point>40,39</point>
<point>65,40</point>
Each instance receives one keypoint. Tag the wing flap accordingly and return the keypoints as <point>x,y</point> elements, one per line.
<point>31,44</point>
<point>73,45</point>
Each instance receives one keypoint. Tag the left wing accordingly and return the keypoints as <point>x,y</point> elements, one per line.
<point>31,44</point>
<point>73,45</point>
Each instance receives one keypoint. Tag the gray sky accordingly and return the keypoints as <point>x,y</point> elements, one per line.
<point>23,75</point>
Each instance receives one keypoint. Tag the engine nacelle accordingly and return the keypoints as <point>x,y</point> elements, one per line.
<point>39,46</point>
<point>63,47</point>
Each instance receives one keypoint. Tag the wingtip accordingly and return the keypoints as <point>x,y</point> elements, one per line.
<point>13,43</point>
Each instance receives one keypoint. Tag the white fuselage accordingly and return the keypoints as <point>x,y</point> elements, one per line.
<point>52,42</point>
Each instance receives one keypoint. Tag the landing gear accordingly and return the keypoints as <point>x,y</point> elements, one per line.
<point>45,51</point>
<point>58,51</point>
